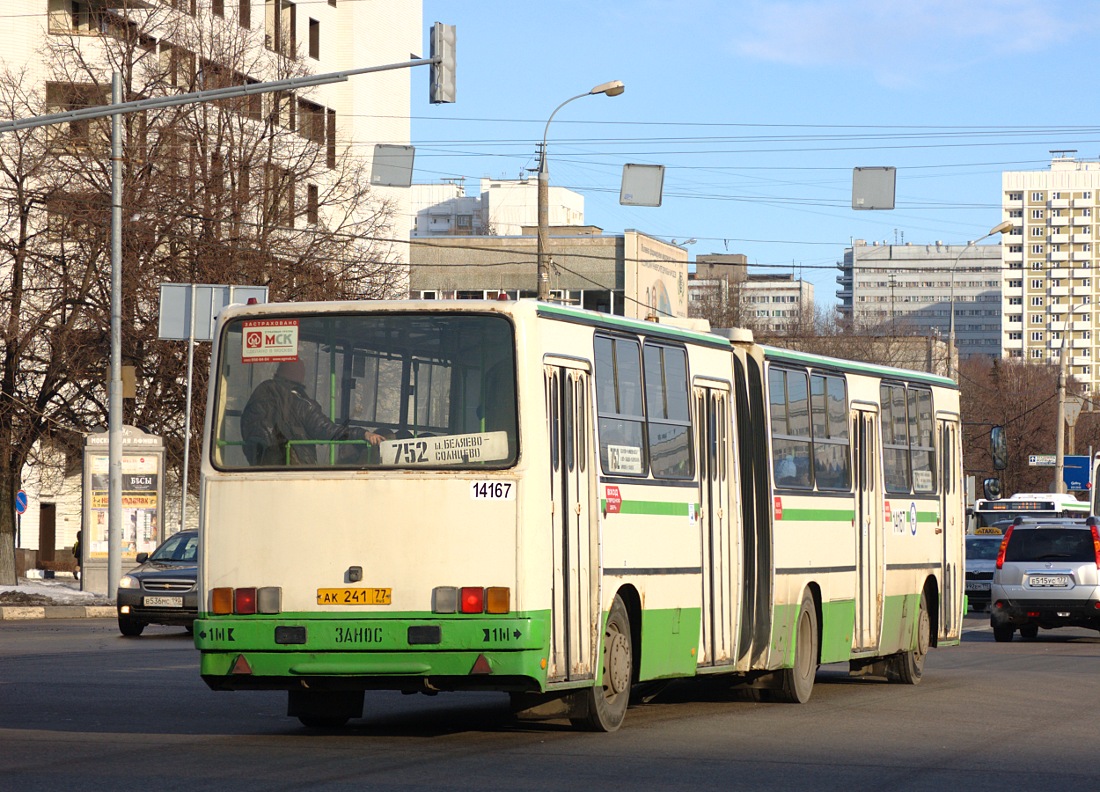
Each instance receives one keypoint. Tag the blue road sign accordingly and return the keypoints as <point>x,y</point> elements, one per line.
<point>1076,473</point>
<point>20,502</point>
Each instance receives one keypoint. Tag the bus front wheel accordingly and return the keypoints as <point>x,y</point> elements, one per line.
<point>607,702</point>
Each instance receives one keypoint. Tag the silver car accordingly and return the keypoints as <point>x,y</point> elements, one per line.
<point>1047,575</point>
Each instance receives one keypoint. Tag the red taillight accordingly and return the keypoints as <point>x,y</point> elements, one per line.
<point>1004,546</point>
<point>1096,544</point>
<point>244,600</point>
<point>473,599</point>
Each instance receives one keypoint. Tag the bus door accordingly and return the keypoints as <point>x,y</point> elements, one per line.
<point>951,527</point>
<point>712,414</point>
<point>869,528</point>
<point>575,596</point>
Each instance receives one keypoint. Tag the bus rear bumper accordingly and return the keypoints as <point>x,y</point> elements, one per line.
<point>372,654</point>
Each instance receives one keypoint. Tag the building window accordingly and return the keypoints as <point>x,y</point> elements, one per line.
<point>311,121</point>
<point>217,7</point>
<point>279,30</point>
<point>314,39</point>
<point>1036,302</point>
<point>62,97</point>
<point>330,140</point>
<point>1037,336</point>
<point>1036,283</point>
<point>1015,300</point>
<point>244,13</point>
<point>1016,196</point>
<point>1036,353</point>
<point>1015,336</point>
<point>1036,196</point>
<point>313,204</point>
<point>1036,214</point>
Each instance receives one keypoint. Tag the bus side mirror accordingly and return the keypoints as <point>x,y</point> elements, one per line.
<point>992,488</point>
<point>998,447</point>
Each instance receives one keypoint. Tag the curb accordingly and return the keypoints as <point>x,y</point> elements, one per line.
<point>30,612</point>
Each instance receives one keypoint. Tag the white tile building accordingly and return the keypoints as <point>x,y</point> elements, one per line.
<point>329,36</point>
<point>502,207</point>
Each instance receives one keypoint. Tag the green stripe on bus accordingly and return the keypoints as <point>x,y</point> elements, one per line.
<point>817,515</point>
<point>658,508</point>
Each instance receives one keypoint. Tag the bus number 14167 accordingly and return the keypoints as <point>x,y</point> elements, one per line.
<point>492,490</point>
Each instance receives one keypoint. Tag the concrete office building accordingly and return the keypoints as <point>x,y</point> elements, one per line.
<point>628,274</point>
<point>899,289</point>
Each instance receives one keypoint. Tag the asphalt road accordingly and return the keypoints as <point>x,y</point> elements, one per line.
<point>82,708</point>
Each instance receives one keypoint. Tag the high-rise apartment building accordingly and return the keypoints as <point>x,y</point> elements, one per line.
<point>1050,264</point>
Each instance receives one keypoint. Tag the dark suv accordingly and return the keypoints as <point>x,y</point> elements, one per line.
<point>1047,575</point>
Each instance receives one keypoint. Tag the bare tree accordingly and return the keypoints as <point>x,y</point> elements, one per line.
<point>257,190</point>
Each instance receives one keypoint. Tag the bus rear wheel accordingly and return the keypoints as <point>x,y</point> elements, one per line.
<point>908,667</point>
<point>797,683</point>
<point>607,703</point>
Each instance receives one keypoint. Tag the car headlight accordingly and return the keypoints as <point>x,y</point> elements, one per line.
<point>129,582</point>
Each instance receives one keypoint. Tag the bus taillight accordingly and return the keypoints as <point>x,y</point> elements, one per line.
<point>497,599</point>
<point>246,601</point>
<point>471,599</point>
<point>221,601</point>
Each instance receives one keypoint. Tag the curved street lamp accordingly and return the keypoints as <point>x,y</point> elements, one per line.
<point>1000,228</point>
<point>613,88</point>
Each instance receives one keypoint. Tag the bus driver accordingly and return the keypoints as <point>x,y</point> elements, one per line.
<point>279,410</point>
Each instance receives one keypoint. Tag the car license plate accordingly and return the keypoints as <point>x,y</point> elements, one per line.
<point>353,596</point>
<point>977,585</point>
<point>163,602</point>
<point>1050,581</point>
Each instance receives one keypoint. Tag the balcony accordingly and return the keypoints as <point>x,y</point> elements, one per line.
<point>1058,203</point>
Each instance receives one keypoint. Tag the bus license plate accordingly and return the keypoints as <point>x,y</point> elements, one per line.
<point>353,596</point>
<point>163,602</point>
<point>1048,580</point>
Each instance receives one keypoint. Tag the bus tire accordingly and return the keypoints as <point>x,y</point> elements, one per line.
<point>908,667</point>
<point>797,683</point>
<point>607,702</point>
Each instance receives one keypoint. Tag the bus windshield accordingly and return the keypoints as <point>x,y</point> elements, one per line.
<point>366,390</point>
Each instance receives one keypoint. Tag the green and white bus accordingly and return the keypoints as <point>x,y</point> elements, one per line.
<point>1052,505</point>
<point>568,504</point>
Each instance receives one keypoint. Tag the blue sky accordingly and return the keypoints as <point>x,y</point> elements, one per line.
<point>760,110</point>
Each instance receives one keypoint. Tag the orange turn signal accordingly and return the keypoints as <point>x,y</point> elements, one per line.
<point>221,601</point>
<point>497,599</point>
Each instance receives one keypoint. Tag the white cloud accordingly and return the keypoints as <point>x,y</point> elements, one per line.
<point>904,41</point>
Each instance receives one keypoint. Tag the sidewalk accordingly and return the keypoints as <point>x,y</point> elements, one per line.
<point>52,598</point>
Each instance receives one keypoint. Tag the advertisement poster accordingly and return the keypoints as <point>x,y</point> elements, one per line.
<point>140,488</point>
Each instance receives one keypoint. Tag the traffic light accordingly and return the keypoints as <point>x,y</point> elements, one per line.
<point>442,70</point>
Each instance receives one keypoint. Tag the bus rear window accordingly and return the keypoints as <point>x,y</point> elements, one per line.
<point>366,390</point>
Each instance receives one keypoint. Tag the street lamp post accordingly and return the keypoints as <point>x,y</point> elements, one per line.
<point>613,88</point>
<point>1000,228</point>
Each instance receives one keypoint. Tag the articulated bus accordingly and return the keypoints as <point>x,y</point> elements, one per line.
<point>560,505</point>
